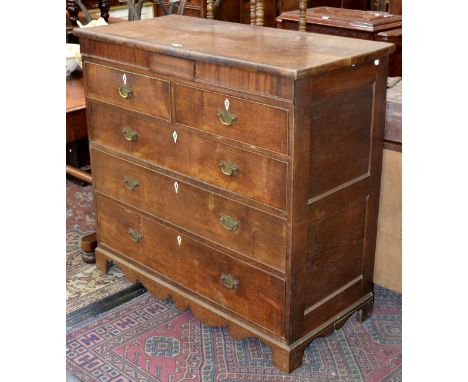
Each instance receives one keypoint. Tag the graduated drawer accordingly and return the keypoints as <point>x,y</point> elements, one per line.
<point>234,118</point>
<point>258,177</point>
<point>248,231</point>
<point>130,90</point>
<point>248,291</point>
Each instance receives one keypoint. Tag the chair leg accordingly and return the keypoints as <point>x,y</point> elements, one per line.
<point>253,12</point>
<point>73,10</point>
<point>259,13</point>
<point>104,6</point>
<point>210,9</point>
<point>302,15</point>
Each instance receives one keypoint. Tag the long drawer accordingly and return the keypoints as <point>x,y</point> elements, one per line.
<point>249,231</point>
<point>242,120</point>
<point>130,90</point>
<point>250,292</point>
<point>252,175</point>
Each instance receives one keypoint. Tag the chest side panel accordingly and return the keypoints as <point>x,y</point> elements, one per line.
<point>344,182</point>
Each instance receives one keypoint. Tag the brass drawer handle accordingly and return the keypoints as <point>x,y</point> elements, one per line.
<point>229,223</point>
<point>129,134</point>
<point>131,183</point>
<point>228,168</point>
<point>229,281</point>
<point>226,117</point>
<point>125,91</point>
<point>135,235</point>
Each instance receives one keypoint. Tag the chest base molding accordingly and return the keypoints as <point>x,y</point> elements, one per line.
<point>284,357</point>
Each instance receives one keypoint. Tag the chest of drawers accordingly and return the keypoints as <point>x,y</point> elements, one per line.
<point>243,184</point>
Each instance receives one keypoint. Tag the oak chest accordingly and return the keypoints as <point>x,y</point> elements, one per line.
<point>242,183</point>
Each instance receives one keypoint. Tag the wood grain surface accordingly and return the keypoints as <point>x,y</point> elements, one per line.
<point>267,223</point>
<point>259,296</point>
<point>287,53</point>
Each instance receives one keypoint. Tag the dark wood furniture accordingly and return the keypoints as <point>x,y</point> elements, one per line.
<point>255,12</point>
<point>348,4</point>
<point>103,5</point>
<point>236,10</point>
<point>395,7</point>
<point>394,36</point>
<point>242,182</point>
<point>393,116</point>
<point>76,128</point>
<point>77,146</point>
<point>368,25</point>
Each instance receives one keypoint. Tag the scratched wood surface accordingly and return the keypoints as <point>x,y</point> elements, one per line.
<point>306,146</point>
<point>289,53</point>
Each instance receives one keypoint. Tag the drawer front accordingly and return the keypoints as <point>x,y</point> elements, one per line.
<point>249,292</point>
<point>130,90</point>
<point>243,229</point>
<point>252,175</point>
<point>241,120</point>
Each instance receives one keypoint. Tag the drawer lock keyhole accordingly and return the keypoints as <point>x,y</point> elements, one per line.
<point>225,116</point>
<point>124,90</point>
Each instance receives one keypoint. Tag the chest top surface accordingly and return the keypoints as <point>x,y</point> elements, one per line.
<point>288,53</point>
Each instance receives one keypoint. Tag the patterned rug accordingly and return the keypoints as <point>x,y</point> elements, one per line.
<point>150,340</point>
<point>85,284</point>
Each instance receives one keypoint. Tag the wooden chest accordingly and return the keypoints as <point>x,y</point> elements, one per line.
<point>243,184</point>
<point>368,25</point>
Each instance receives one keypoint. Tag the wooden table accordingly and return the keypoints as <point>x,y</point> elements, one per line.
<point>76,120</point>
<point>367,25</point>
<point>77,128</point>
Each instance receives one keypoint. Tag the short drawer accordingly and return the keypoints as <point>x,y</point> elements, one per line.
<point>250,292</point>
<point>251,232</point>
<point>130,90</point>
<point>252,175</point>
<point>234,118</point>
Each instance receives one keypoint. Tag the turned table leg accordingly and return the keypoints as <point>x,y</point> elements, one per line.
<point>104,6</point>
<point>88,245</point>
<point>73,10</point>
<point>88,242</point>
<point>210,9</point>
<point>253,12</point>
<point>302,15</point>
<point>259,13</point>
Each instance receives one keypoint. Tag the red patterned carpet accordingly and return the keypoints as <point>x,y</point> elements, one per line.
<point>150,340</point>
<point>85,284</point>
